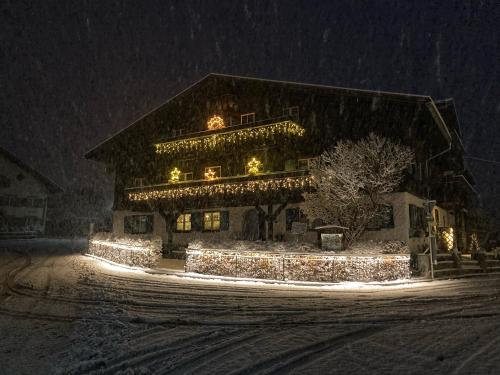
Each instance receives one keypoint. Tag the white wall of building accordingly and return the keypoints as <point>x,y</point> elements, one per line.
<point>400,232</point>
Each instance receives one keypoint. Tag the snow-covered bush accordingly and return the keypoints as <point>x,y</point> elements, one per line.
<point>378,247</point>
<point>135,251</point>
<point>252,245</point>
<point>324,266</point>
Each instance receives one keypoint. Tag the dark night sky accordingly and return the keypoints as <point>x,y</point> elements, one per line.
<point>74,72</point>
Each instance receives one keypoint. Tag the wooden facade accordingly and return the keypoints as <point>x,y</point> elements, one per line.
<point>282,125</point>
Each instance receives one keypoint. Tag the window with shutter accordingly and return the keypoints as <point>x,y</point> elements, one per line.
<point>211,221</point>
<point>138,224</point>
<point>183,223</point>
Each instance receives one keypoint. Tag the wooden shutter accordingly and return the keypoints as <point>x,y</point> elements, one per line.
<point>224,220</point>
<point>197,221</point>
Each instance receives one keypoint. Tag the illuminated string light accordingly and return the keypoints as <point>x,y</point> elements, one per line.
<point>254,166</point>
<point>215,122</point>
<point>210,174</point>
<point>175,175</point>
<point>448,238</point>
<point>474,243</point>
<point>317,266</point>
<point>230,188</point>
<point>230,137</point>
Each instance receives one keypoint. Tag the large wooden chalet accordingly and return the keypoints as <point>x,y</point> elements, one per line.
<point>228,157</point>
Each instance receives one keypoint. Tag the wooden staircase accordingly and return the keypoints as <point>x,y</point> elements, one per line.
<point>464,266</point>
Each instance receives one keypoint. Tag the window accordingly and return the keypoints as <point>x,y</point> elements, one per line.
<point>4,201</point>
<point>19,202</point>
<point>248,118</point>
<point>38,202</point>
<point>306,164</point>
<point>211,221</point>
<point>177,132</point>
<point>187,176</point>
<point>139,182</point>
<point>417,221</point>
<point>4,181</point>
<point>138,224</point>
<point>184,223</point>
<point>291,111</point>
<point>211,173</point>
<point>185,164</point>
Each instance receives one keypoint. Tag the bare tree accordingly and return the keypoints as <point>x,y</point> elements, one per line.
<point>350,182</point>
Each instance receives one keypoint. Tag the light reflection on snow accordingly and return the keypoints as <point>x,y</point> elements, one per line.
<point>193,277</point>
<point>346,285</point>
<point>115,267</point>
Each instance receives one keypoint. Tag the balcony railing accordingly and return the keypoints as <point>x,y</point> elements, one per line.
<point>234,185</point>
<point>233,135</point>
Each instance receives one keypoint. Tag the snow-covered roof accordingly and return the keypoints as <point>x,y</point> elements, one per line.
<point>51,185</point>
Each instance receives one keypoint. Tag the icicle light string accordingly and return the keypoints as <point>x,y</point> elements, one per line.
<point>214,141</point>
<point>227,188</point>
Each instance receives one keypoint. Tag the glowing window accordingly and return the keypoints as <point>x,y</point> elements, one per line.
<point>184,223</point>
<point>211,221</point>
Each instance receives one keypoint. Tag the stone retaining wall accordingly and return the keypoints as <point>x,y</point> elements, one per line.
<point>322,267</point>
<point>131,251</point>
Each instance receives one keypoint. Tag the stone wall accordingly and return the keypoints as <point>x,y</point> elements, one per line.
<point>134,251</point>
<point>317,266</point>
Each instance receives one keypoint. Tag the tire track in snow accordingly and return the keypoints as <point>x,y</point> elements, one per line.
<point>203,356</point>
<point>8,282</point>
<point>148,356</point>
<point>478,352</point>
<point>284,362</point>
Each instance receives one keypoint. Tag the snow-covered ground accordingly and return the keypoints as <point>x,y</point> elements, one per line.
<point>61,312</point>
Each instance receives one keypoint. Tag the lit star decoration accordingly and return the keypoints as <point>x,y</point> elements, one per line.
<point>254,166</point>
<point>230,137</point>
<point>232,188</point>
<point>215,122</point>
<point>175,175</point>
<point>210,174</point>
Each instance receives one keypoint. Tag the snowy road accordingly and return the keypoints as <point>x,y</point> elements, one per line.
<point>61,312</point>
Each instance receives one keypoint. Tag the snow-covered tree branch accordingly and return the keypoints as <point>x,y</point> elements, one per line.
<point>351,181</point>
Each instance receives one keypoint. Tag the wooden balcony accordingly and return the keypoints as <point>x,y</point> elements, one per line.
<point>271,130</point>
<point>295,181</point>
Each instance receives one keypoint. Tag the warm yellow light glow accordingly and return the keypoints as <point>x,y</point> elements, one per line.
<point>254,166</point>
<point>315,266</point>
<point>230,137</point>
<point>175,175</point>
<point>232,188</point>
<point>474,243</point>
<point>215,122</point>
<point>448,238</point>
<point>210,174</point>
